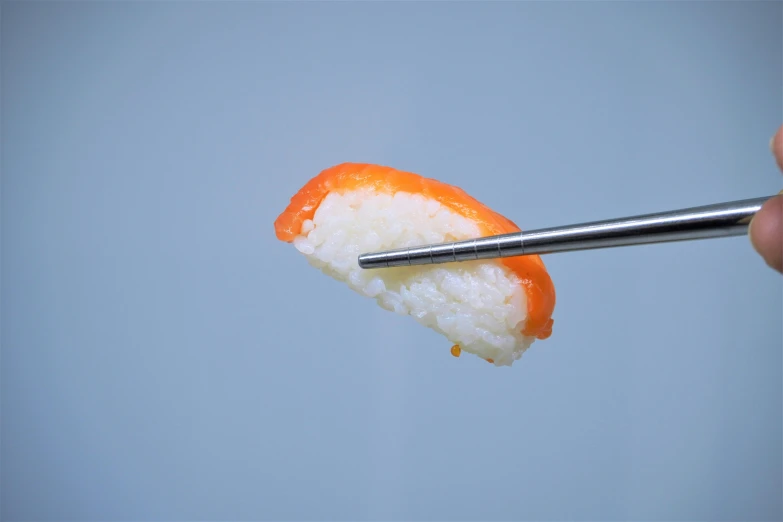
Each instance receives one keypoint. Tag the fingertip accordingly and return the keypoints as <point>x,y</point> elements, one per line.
<point>776,147</point>
<point>766,232</point>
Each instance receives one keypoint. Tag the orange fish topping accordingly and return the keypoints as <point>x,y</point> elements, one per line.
<point>456,350</point>
<point>530,269</point>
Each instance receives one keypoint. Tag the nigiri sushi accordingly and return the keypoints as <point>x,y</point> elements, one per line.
<point>494,309</point>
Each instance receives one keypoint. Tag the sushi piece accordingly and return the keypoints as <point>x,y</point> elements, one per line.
<point>494,309</point>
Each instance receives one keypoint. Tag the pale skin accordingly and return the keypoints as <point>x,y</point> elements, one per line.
<point>766,229</point>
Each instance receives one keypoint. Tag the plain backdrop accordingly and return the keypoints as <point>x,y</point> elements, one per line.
<point>165,357</point>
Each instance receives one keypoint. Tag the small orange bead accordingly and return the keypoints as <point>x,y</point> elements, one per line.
<point>456,350</point>
<point>490,361</point>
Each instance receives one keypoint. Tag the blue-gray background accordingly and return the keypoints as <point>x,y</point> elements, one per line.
<point>164,356</point>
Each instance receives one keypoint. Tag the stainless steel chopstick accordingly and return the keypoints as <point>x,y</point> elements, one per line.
<point>710,221</point>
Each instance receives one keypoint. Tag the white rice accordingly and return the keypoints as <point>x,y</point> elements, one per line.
<point>478,305</point>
